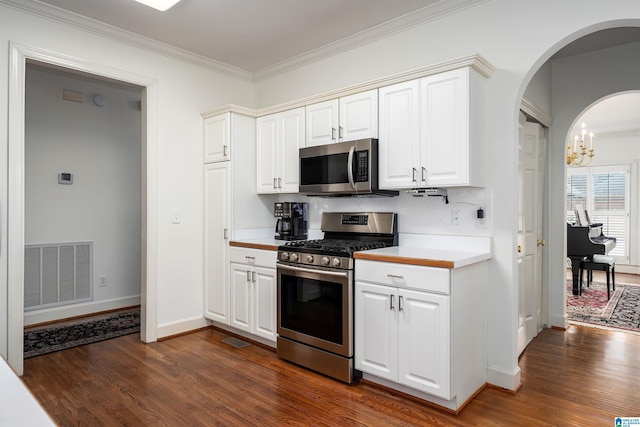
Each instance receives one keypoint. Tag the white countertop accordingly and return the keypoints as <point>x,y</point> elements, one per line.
<point>430,257</point>
<point>18,407</point>
<point>416,249</point>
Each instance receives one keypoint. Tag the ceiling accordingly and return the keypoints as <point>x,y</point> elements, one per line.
<point>254,34</point>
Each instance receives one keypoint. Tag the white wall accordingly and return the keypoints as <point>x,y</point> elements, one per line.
<point>101,147</point>
<point>184,91</point>
<point>517,38</point>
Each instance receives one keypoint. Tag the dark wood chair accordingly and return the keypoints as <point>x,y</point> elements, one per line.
<point>600,263</point>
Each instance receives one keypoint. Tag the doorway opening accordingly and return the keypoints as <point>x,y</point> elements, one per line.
<point>83,156</point>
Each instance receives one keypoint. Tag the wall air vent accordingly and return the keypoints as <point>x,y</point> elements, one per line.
<point>57,274</point>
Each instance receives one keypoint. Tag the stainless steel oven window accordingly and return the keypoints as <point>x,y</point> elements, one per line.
<point>315,308</point>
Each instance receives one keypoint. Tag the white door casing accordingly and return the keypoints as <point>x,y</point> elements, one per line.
<point>19,55</point>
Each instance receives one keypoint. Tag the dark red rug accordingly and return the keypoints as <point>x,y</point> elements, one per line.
<point>622,311</point>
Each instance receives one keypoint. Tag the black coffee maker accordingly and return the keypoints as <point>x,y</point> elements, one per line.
<point>292,220</point>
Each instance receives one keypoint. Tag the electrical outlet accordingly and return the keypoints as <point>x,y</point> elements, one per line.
<point>455,218</point>
<point>103,280</point>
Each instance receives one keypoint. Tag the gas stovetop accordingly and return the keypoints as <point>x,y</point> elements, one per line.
<point>332,246</point>
<point>345,233</point>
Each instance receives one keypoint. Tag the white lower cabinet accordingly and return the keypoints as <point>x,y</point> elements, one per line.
<point>252,278</point>
<point>403,335</point>
<point>422,330</point>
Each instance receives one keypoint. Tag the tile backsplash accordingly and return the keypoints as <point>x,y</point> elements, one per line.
<point>419,215</point>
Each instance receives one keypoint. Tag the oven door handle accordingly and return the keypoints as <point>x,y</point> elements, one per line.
<point>307,270</point>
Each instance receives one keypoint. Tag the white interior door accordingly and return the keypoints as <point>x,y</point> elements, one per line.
<point>530,243</point>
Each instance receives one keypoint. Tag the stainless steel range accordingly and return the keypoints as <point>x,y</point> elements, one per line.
<point>316,291</point>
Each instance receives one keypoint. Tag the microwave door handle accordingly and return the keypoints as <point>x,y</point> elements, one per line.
<point>350,166</point>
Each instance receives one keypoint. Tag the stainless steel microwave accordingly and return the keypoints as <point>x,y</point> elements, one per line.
<point>342,169</point>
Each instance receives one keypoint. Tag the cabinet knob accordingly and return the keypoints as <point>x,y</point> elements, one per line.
<point>541,243</point>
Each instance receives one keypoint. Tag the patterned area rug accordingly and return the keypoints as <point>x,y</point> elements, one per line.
<point>59,336</point>
<point>622,311</point>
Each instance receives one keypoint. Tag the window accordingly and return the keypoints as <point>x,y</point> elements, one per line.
<point>604,192</point>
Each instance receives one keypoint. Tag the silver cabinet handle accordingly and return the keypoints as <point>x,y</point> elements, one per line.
<point>395,276</point>
<point>400,303</point>
<point>340,132</point>
<point>250,258</point>
<point>413,174</point>
<point>224,151</point>
<point>279,182</point>
<point>391,307</point>
<point>253,276</point>
<point>248,275</point>
<point>275,183</point>
<point>225,233</point>
<point>333,134</point>
<point>424,174</point>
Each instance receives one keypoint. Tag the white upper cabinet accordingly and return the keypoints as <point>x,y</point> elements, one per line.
<point>399,144</point>
<point>432,131</point>
<point>279,137</point>
<point>217,138</point>
<point>344,119</point>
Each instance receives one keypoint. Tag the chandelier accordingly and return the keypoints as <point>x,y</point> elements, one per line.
<point>577,149</point>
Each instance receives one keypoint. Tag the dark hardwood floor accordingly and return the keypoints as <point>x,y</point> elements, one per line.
<point>578,377</point>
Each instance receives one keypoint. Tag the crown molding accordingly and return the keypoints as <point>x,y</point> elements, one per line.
<point>397,25</point>
<point>476,62</point>
<point>230,108</point>
<point>531,109</point>
<point>83,23</point>
<point>437,10</point>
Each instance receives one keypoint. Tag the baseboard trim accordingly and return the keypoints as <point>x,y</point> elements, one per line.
<point>503,379</point>
<point>181,326</point>
<point>54,314</point>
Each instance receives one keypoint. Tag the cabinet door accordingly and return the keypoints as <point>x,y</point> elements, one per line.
<point>358,116</point>
<point>423,342</point>
<point>217,138</point>
<point>292,127</point>
<point>267,154</point>
<point>241,291</point>
<point>445,128</point>
<point>399,144</point>
<point>322,123</point>
<point>216,225</point>
<point>376,350</point>
<point>265,302</point>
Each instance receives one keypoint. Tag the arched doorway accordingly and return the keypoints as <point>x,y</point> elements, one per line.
<point>576,76</point>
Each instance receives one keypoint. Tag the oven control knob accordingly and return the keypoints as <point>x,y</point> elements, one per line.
<point>335,262</point>
<point>309,259</point>
<point>293,257</point>
<point>284,256</point>
<point>325,260</point>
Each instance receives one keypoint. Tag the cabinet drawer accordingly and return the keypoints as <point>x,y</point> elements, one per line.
<point>403,276</point>
<point>253,256</point>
